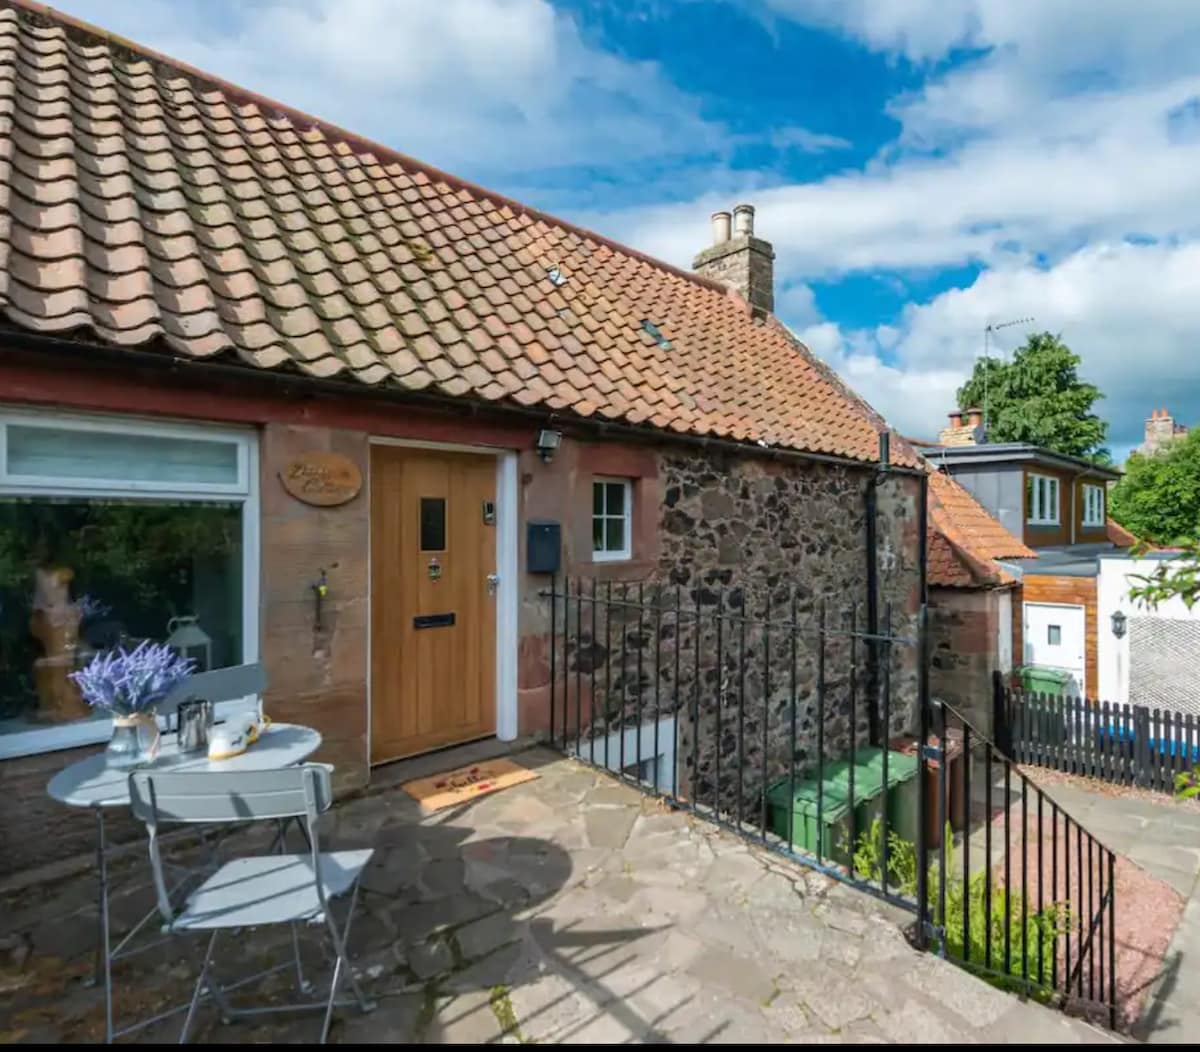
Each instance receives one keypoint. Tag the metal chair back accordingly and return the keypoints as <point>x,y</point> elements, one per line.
<point>220,684</point>
<point>222,797</point>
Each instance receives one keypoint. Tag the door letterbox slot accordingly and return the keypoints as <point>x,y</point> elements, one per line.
<point>433,621</point>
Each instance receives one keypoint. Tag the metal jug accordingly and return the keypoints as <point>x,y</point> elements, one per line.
<point>195,724</point>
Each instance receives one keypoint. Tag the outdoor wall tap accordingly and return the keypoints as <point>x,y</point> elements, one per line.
<point>320,591</point>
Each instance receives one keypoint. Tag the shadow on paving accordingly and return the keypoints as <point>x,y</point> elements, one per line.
<point>446,921</point>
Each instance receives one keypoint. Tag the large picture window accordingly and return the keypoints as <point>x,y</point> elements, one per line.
<point>1041,498</point>
<point>113,531</point>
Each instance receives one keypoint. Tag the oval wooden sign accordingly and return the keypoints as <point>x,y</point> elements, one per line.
<point>322,478</point>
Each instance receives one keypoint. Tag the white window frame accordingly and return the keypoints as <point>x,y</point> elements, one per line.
<point>626,552</point>
<point>1093,494</point>
<point>1038,515</point>
<point>244,490</point>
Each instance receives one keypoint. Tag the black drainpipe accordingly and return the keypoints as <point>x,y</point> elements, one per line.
<point>873,714</point>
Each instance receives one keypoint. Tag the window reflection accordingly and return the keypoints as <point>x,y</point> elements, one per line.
<point>80,575</point>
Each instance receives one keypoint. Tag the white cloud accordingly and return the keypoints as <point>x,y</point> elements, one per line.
<point>1132,311</point>
<point>807,141</point>
<point>1043,140</point>
<point>475,86</point>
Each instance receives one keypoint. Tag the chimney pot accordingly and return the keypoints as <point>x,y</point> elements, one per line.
<point>720,227</point>
<point>956,419</point>
<point>739,260</point>
<point>974,417</point>
<point>743,220</point>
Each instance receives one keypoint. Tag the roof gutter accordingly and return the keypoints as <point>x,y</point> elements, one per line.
<point>169,362</point>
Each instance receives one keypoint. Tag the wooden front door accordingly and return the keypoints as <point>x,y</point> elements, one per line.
<point>433,607</point>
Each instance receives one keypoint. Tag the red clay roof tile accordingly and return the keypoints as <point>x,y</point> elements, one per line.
<point>964,540</point>
<point>156,205</point>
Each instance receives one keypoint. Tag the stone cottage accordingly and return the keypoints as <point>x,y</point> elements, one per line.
<point>346,415</point>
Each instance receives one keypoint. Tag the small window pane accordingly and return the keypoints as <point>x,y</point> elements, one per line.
<point>433,524</point>
<point>616,498</point>
<point>614,535</point>
<point>597,498</point>
<point>1054,635</point>
<point>61,453</point>
<point>597,535</point>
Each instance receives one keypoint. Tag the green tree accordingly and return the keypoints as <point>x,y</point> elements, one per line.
<point>1039,398</point>
<point>1159,497</point>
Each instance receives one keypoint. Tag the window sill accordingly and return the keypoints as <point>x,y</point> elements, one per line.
<point>38,740</point>
<point>1042,522</point>
<point>612,557</point>
<point>612,569</point>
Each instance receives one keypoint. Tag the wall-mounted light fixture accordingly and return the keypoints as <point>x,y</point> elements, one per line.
<point>548,441</point>
<point>1118,624</point>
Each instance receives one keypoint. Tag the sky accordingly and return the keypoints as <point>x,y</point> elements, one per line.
<point>922,167</point>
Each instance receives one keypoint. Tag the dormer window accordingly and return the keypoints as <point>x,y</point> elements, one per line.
<point>1041,500</point>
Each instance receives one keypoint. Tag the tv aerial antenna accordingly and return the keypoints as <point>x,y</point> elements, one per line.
<point>988,330</point>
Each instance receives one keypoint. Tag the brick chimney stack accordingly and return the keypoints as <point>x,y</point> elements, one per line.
<point>959,434</point>
<point>1161,430</point>
<point>739,259</point>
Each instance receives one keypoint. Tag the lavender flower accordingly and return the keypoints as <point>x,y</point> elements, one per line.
<point>129,681</point>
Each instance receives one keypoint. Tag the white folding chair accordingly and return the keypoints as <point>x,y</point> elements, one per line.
<point>254,891</point>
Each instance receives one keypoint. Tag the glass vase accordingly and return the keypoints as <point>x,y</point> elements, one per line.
<point>133,743</point>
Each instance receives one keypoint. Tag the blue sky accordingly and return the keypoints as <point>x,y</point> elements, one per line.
<point>923,167</point>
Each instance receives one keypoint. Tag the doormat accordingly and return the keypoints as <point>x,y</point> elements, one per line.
<point>466,783</point>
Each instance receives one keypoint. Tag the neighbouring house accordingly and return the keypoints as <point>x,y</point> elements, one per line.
<point>970,598</point>
<point>1147,655</point>
<point>1161,431</point>
<point>1056,505</point>
<point>296,398</point>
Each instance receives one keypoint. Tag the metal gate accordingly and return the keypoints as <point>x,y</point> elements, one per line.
<point>784,720</point>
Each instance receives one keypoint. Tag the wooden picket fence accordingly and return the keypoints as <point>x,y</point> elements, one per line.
<point>1124,744</point>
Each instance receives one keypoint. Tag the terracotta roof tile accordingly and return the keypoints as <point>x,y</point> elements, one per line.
<point>155,205</point>
<point>964,540</point>
<point>1118,535</point>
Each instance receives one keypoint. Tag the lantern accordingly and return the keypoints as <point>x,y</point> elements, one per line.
<point>190,640</point>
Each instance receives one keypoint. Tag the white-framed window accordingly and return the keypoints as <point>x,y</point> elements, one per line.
<point>612,518</point>
<point>114,530</point>
<point>1093,505</point>
<point>1041,493</point>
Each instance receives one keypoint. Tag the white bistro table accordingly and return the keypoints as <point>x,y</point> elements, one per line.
<point>91,783</point>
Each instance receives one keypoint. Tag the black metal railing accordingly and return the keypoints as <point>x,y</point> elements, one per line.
<point>782,719</point>
<point>1123,744</point>
<point>753,710</point>
<point>1030,898</point>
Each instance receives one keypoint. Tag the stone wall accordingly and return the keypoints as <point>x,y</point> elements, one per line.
<point>964,628</point>
<point>740,538</point>
<point>35,830</point>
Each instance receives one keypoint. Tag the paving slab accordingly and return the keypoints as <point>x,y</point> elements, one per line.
<point>567,909</point>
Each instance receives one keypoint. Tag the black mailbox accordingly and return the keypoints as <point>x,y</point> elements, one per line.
<point>543,544</point>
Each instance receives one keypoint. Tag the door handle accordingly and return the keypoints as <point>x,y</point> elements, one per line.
<point>493,583</point>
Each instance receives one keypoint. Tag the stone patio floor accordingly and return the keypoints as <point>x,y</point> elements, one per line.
<point>570,908</point>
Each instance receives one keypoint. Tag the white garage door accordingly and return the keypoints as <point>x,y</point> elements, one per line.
<point>1054,638</point>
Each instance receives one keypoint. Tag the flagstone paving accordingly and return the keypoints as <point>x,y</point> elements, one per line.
<point>571,908</point>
